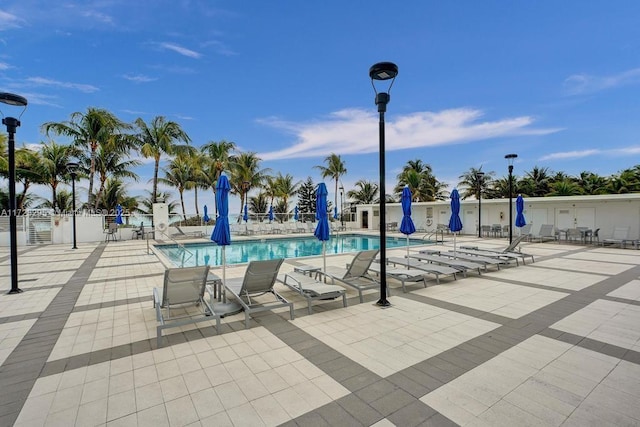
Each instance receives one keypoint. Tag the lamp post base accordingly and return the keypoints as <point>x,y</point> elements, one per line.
<point>15,291</point>
<point>383,303</point>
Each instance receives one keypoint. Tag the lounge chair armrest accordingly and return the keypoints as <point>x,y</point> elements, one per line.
<point>156,303</point>
<point>297,283</point>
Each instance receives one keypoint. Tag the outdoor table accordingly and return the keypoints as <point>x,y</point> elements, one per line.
<point>308,269</point>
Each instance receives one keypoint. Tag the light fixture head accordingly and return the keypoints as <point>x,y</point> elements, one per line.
<point>510,158</point>
<point>72,167</point>
<point>383,71</point>
<point>12,99</point>
<point>479,174</point>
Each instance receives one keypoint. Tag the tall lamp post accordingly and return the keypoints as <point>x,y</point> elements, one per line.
<point>380,72</point>
<point>341,207</point>
<point>510,159</point>
<point>245,188</point>
<point>12,125</point>
<point>72,167</point>
<point>479,177</point>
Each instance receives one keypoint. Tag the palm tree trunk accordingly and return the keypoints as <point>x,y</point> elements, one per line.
<point>155,179</point>
<point>184,212</point>
<point>92,172</point>
<point>195,189</point>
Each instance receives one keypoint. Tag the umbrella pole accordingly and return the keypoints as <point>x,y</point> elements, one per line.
<point>455,255</point>
<point>407,251</point>
<point>324,256</point>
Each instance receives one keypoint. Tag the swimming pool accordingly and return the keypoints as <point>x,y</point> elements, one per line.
<point>243,251</point>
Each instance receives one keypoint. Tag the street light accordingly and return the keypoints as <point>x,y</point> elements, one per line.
<point>12,124</point>
<point>245,188</point>
<point>510,159</point>
<point>341,207</point>
<point>72,167</point>
<point>383,71</point>
<point>479,177</point>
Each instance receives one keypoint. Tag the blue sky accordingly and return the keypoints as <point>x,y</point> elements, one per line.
<point>557,83</point>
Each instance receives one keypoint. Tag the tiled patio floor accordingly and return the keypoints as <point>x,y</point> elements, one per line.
<point>550,343</point>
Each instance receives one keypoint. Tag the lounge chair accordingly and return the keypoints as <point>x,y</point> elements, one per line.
<point>457,263</point>
<point>478,259</point>
<point>494,255</point>
<point>547,232</point>
<point>183,286</point>
<point>436,270</point>
<point>509,251</point>
<point>312,289</point>
<point>187,235</point>
<point>620,237</point>
<point>258,280</point>
<point>356,275</point>
<point>402,275</point>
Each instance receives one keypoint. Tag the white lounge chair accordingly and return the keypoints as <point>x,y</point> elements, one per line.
<point>257,282</point>
<point>356,275</point>
<point>183,286</point>
<point>312,289</point>
<point>435,269</point>
<point>402,275</point>
<point>620,237</point>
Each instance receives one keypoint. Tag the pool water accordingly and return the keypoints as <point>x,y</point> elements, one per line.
<point>209,253</point>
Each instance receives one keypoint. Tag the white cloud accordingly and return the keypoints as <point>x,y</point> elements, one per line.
<point>355,131</point>
<point>8,21</point>
<point>4,66</point>
<point>181,50</point>
<point>220,48</point>
<point>614,152</point>
<point>139,78</point>
<point>579,84</point>
<point>42,81</point>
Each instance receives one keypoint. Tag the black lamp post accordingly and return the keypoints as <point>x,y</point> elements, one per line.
<point>72,167</point>
<point>383,71</point>
<point>341,207</point>
<point>245,188</point>
<point>510,159</point>
<point>12,125</point>
<point>479,177</point>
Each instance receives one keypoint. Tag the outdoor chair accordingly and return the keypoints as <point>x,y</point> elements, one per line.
<point>251,291</point>
<point>312,289</point>
<point>402,275</point>
<point>138,233</point>
<point>182,287</point>
<point>547,232</point>
<point>183,235</point>
<point>425,267</point>
<point>457,263</point>
<point>356,274</point>
<point>110,232</point>
<point>619,237</point>
<point>510,250</point>
<point>503,256</point>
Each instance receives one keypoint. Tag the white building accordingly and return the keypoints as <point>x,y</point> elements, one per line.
<point>604,212</point>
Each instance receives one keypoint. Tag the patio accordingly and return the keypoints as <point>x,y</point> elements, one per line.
<point>555,342</point>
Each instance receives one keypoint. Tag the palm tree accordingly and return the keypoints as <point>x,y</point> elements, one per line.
<point>178,174</point>
<point>468,184</point>
<point>536,182</point>
<point>63,201</point>
<point>158,138</point>
<point>565,187</point>
<point>88,130</point>
<point>111,161</point>
<point>366,192</point>
<point>245,167</point>
<point>29,170</point>
<point>259,203</point>
<point>115,193</point>
<point>592,183</point>
<point>145,204</point>
<point>335,169</point>
<point>54,166</point>
<point>285,188</point>
<point>424,186</point>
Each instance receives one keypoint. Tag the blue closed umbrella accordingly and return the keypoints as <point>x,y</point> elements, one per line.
<point>221,232</point>
<point>335,212</point>
<point>295,213</point>
<point>406,226</point>
<point>119,214</point>
<point>455,224</point>
<point>206,215</point>
<point>270,213</point>
<point>222,236</point>
<point>322,229</point>
<point>520,221</point>
<point>246,214</point>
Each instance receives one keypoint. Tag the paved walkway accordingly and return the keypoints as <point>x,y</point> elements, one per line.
<point>556,342</point>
